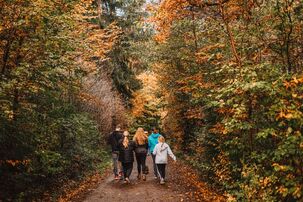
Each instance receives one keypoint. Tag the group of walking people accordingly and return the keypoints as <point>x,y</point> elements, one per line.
<point>141,146</point>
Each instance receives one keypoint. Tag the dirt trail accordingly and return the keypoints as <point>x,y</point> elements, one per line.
<point>111,190</point>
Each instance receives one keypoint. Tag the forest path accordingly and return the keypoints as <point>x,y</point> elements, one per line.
<point>110,190</point>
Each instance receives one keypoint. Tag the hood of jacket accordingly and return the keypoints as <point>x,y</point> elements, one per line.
<point>163,147</point>
<point>155,135</point>
<point>152,141</point>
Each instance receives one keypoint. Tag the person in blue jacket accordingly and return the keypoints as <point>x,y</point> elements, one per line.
<point>152,141</point>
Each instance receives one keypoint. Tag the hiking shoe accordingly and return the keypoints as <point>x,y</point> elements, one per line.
<point>117,177</point>
<point>121,177</point>
<point>127,180</point>
<point>144,177</point>
<point>139,177</point>
<point>162,181</point>
<point>120,174</point>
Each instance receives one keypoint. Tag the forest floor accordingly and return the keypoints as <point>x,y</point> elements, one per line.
<point>182,185</point>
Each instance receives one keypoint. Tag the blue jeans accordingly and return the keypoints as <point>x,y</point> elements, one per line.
<point>115,157</point>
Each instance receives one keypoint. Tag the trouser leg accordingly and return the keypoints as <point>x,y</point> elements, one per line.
<point>154,165</point>
<point>161,169</point>
<point>143,162</point>
<point>115,163</point>
<point>124,168</point>
<point>120,169</point>
<point>139,163</point>
<point>128,169</point>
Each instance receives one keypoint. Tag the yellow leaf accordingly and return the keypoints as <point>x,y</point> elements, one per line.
<point>289,116</point>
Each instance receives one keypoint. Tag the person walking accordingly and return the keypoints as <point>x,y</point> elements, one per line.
<point>161,151</point>
<point>152,141</point>
<point>126,155</point>
<point>141,142</point>
<point>113,140</point>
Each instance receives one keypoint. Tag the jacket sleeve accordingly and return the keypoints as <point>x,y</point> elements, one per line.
<point>115,143</point>
<point>119,145</point>
<point>170,153</point>
<point>155,150</point>
<point>134,144</point>
<point>148,145</point>
<point>109,139</point>
<point>120,136</point>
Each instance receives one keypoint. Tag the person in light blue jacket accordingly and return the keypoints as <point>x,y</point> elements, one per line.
<point>152,141</point>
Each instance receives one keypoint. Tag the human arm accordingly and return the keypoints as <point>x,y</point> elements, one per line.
<point>148,146</point>
<point>134,145</point>
<point>120,145</point>
<point>155,150</point>
<point>170,153</point>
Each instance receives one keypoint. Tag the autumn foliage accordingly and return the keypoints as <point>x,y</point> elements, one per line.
<point>46,137</point>
<point>231,74</point>
<point>223,78</point>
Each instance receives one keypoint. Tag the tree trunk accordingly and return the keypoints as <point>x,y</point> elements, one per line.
<point>6,55</point>
<point>100,11</point>
<point>194,30</point>
<point>231,37</point>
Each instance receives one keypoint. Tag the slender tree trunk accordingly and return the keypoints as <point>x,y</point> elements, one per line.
<point>231,37</point>
<point>250,113</point>
<point>100,11</point>
<point>6,55</point>
<point>288,41</point>
<point>15,103</point>
<point>7,50</point>
<point>194,29</point>
<point>18,55</point>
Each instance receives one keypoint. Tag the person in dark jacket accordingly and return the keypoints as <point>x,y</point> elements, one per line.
<point>141,142</point>
<point>113,140</point>
<point>126,155</point>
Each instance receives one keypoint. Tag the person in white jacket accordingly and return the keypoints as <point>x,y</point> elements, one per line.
<point>161,151</point>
